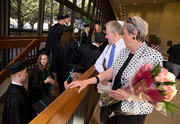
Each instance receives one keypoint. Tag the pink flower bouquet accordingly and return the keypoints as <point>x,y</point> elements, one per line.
<point>156,85</point>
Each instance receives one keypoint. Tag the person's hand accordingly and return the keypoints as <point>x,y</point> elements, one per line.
<point>80,84</point>
<point>118,94</point>
<point>105,83</point>
<point>49,80</point>
<point>65,84</point>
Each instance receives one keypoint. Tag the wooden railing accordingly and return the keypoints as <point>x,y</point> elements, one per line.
<point>16,42</point>
<point>61,109</point>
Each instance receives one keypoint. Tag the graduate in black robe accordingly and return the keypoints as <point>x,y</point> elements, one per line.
<point>17,105</point>
<point>54,34</point>
<point>66,48</point>
<point>98,29</point>
<point>87,54</point>
<point>40,78</point>
<point>85,34</point>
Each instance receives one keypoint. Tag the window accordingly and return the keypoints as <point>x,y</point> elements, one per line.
<point>79,3</point>
<point>23,16</point>
<point>51,11</point>
<point>86,5</point>
<point>91,8</point>
<point>95,11</point>
<point>71,1</point>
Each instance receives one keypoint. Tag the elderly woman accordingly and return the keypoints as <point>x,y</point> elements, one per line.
<point>136,54</point>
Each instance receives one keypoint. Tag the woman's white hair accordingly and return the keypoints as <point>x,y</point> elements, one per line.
<point>140,25</point>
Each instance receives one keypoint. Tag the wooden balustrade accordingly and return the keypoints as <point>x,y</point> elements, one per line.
<point>44,38</point>
<point>61,109</point>
<point>28,45</point>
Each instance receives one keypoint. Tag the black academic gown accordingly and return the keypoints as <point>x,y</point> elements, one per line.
<point>86,55</point>
<point>63,59</point>
<point>17,106</point>
<point>84,38</point>
<point>88,40</point>
<point>54,35</point>
<point>37,89</point>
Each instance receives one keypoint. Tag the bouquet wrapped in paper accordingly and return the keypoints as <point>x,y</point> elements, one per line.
<point>155,85</point>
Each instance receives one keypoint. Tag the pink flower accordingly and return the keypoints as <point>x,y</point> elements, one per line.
<point>170,91</point>
<point>165,76</point>
<point>149,66</point>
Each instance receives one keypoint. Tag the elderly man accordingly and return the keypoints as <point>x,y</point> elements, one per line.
<point>109,55</point>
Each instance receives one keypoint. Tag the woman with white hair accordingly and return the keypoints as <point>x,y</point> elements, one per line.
<point>129,61</point>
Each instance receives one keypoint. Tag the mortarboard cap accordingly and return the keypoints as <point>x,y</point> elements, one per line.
<point>86,25</point>
<point>97,22</point>
<point>66,16</point>
<point>44,51</point>
<point>77,68</point>
<point>68,28</point>
<point>16,67</point>
<point>100,37</point>
<point>59,17</point>
<point>42,104</point>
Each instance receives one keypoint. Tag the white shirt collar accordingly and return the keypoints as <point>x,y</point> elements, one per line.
<point>95,44</point>
<point>16,83</point>
<point>120,41</point>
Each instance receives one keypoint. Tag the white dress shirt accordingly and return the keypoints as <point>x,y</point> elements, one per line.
<point>16,83</point>
<point>106,54</point>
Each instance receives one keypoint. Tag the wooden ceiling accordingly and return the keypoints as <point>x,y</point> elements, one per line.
<point>119,6</point>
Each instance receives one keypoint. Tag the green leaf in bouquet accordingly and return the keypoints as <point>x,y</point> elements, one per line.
<point>174,106</point>
<point>163,94</point>
<point>169,83</point>
<point>156,70</point>
<point>168,107</point>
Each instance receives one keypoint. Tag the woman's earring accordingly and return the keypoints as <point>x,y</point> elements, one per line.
<point>133,38</point>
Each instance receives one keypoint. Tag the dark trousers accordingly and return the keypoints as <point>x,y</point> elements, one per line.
<point>105,112</point>
<point>119,119</point>
<point>128,119</point>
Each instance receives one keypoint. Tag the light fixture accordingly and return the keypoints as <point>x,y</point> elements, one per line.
<point>134,3</point>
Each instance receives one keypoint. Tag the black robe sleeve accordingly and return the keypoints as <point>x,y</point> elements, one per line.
<point>17,107</point>
<point>35,84</point>
<point>65,58</point>
<point>84,38</point>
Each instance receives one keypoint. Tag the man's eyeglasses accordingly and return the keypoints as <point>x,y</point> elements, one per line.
<point>129,20</point>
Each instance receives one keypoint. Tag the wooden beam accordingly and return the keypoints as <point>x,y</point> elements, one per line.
<point>7,44</point>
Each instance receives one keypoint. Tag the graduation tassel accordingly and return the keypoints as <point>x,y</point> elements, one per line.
<point>70,74</point>
<point>50,58</point>
<point>101,27</point>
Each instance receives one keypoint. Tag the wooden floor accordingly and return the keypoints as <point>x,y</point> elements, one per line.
<point>153,118</point>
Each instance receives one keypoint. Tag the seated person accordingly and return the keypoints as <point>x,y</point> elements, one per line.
<point>76,71</point>
<point>40,78</point>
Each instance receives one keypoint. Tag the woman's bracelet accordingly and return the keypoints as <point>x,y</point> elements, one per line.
<point>97,78</point>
